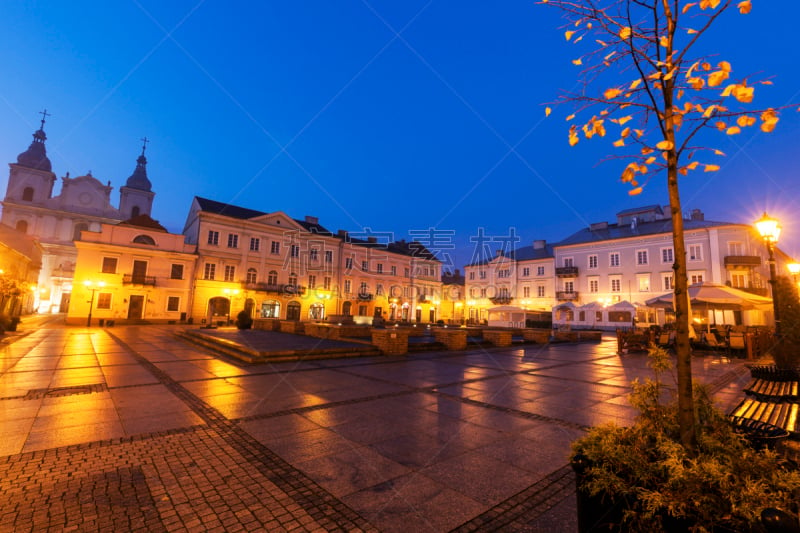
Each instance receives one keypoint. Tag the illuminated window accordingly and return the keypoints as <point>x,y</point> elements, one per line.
<point>644,282</point>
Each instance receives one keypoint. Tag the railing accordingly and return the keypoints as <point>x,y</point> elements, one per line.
<point>566,295</point>
<point>760,291</point>
<point>135,279</point>
<point>742,260</point>
<point>364,297</point>
<point>283,288</point>
<point>501,300</point>
<point>570,271</point>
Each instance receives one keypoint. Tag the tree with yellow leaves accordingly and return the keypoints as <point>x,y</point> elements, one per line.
<point>656,97</point>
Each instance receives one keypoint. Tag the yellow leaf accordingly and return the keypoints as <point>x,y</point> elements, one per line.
<point>625,132</point>
<point>650,160</point>
<point>711,168</point>
<point>687,6</point>
<point>743,94</point>
<point>646,150</point>
<point>727,91</point>
<point>611,93</point>
<point>720,125</point>
<point>682,171</point>
<point>690,31</point>
<point>635,83</point>
<point>745,121</point>
<point>719,152</point>
<point>715,78</point>
<point>570,117</point>
<point>744,7</point>
<point>705,65</point>
<point>624,33</point>
<point>696,83</point>
<point>665,145</point>
<point>709,110</point>
<point>733,130</point>
<point>627,175</point>
<point>709,3</point>
<point>767,127</point>
<point>639,133</point>
<point>664,41</point>
<point>568,35</point>
<point>634,192</point>
<point>619,143</point>
<point>765,82</point>
<point>547,111</point>
<point>577,61</point>
<point>573,139</point>
<point>692,165</point>
<point>724,65</point>
<point>680,94</point>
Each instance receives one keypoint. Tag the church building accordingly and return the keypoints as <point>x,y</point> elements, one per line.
<point>57,220</point>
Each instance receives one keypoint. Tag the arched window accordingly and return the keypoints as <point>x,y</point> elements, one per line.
<point>272,278</point>
<point>22,226</point>
<point>135,211</point>
<point>316,312</point>
<point>270,309</point>
<point>27,194</point>
<point>144,239</point>
<point>252,275</point>
<point>76,232</point>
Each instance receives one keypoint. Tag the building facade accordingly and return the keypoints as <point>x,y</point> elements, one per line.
<point>20,262</point>
<point>56,220</point>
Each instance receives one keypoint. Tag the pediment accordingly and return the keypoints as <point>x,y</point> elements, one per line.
<point>278,219</point>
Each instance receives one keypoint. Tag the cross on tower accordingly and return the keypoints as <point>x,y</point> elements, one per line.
<point>144,140</point>
<point>44,114</point>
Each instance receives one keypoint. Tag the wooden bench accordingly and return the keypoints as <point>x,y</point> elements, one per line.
<point>780,414</point>
<point>767,389</point>
<point>760,434</point>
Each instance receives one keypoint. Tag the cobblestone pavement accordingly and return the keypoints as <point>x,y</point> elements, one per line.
<point>130,428</point>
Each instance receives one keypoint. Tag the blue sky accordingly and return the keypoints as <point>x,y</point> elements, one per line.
<point>396,116</point>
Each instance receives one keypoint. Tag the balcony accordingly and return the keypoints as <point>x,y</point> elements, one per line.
<point>275,288</point>
<point>501,300</point>
<point>567,272</point>
<point>566,295</point>
<point>742,261</point>
<point>136,279</point>
<point>364,297</point>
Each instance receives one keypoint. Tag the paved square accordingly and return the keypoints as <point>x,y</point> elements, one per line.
<point>131,428</point>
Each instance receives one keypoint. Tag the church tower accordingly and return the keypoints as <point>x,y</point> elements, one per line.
<point>31,178</point>
<point>136,196</point>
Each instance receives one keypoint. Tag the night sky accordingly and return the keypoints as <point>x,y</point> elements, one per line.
<point>392,116</point>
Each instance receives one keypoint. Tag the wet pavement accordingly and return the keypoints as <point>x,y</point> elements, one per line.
<point>132,428</point>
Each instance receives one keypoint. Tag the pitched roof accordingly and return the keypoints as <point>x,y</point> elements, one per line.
<point>243,213</point>
<point>617,231</point>
<point>525,253</point>
<point>21,243</point>
<point>144,221</point>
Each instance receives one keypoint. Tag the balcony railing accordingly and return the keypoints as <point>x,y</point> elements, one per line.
<point>136,279</point>
<point>501,300</point>
<point>282,288</point>
<point>760,291</point>
<point>365,297</point>
<point>742,260</point>
<point>569,272</point>
<point>566,295</point>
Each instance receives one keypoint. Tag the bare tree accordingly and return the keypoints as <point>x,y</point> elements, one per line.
<point>659,95</point>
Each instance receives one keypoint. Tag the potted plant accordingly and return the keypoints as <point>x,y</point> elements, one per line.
<point>244,320</point>
<point>657,485</point>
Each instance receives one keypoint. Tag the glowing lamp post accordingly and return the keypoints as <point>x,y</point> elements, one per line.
<point>770,230</point>
<point>94,287</point>
<point>794,270</point>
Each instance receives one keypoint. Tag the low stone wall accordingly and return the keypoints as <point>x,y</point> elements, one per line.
<point>268,324</point>
<point>334,331</point>
<point>452,338</point>
<point>539,336</point>
<point>498,337</point>
<point>390,341</point>
<point>292,326</point>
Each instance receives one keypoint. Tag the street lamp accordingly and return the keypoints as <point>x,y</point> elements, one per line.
<point>794,269</point>
<point>770,230</point>
<point>94,287</point>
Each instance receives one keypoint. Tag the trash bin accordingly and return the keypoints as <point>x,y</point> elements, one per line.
<point>102,322</point>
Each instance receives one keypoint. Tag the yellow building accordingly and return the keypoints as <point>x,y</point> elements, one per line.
<point>132,272</point>
<point>20,261</point>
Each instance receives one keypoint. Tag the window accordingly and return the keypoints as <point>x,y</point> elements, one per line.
<point>613,259</point>
<point>294,250</point>
<point>526,271</point>
<point>328,256</point>
<point>27,194</point>
<point>569,262</point>
<point>379,289</point>
<point>667,281</point>
<point>104,300</point>
<point>616,284</point>
<point>255,244</point>
<point>738,281</point>
<point>230,272</point>
<point>348,263</point>
<point>393,270</point>
<point>293,279</point>
<point>540,271</point>
<point>173,303</point>
<point>641,257</point>
<point>313,254</point>
<point>569,286</point>
<point>109,265</point>
<point>209,271</point>
<point>270,309</point>
<point>312,281</point>
<point>233,240</point>
<point>363,288</point>
<point>144,239</point>
<point>667,256</point>
<point>176,271</point>
<point>526,292</point>
<point>482,274</point>
<point>695,252</point>
<point>592,261</point>
<point>594,285</point>
<point>643,281</point>
<point>505,273</point>
<point>275,247</point>
<point>472,292</point>
<point>326,283</point>
<point>472,275</point>
<point>406,272</point>
<point>213,237</point>
<point>272,278</point>
<point>696,277</point>
<point>252,275</point>
<point>540,291</point>
<point>483,293</point>
<point>735,248</point>
<point>379,268</point>
<point>365,266</point>
<point>347,286</point>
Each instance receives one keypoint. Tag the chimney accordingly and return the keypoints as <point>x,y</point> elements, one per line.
<point>312,220</point>
<point>539,244</point>
<point>697,215</point>
<point>372,239</point>
<point>498,253</point>
<point>342,233</point>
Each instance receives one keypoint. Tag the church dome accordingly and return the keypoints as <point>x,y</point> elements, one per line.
<point>138,180</point>
<point>36,155</point>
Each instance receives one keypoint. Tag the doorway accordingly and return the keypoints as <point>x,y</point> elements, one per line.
<point>139,271</point>
<point>293,311</point>
<point>135,306</point>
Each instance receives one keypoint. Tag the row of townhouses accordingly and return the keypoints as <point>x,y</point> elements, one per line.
<point>102,263</point>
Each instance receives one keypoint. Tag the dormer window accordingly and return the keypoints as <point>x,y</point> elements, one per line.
<point>144,239</point>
